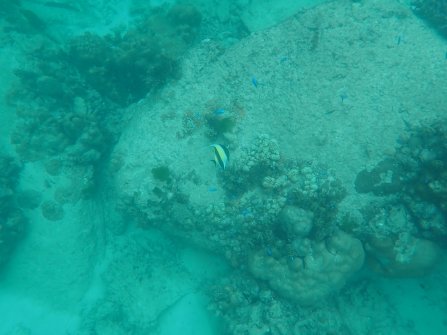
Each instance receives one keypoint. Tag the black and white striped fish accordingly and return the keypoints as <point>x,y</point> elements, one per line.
<point>221,155</point>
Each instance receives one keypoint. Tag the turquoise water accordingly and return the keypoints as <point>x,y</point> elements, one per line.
<point>223,167</point>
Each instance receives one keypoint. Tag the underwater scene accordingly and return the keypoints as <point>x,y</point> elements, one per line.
<point>223,167</point>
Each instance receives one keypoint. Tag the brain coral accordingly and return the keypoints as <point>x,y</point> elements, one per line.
<point>320,273</point>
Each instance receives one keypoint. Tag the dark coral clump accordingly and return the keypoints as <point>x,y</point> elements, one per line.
<point>416,177</point>
<point>161,173</point>
<point>434,12</point>
<point>383,179</point>
<point>424,158</point>
<point>121,67</point>
<point>220,125</point>
<point>125,67</point>
<point>12,219</point>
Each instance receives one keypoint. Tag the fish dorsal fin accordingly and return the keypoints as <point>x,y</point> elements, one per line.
<point>225,149</point>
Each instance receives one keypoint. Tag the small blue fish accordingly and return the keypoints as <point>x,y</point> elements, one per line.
<point>212,189</point>
<point>254,81</point>
<point>219,111</point>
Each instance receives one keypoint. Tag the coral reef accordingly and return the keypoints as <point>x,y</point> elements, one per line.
<point>126,67</point>
<point>272,210</point>
<point>416,175</point>
<point>434,12</point>
<point>69,99</point>
<point>249,307</point>
<point>296,221</point>
<point>383,179</point>
<point>407,256</point>
<point>324,269</point>
<point>279,218</point>
<point>12,219</point>
<point>406,222</point>
<point>80,134</point>
<point>393,240</point>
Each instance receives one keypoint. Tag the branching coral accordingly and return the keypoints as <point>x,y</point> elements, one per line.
<point>126,67</point>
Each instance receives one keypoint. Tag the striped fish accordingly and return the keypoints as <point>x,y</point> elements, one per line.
<point>221,155</point>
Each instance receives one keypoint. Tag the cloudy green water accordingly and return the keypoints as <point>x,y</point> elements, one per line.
<point>324,211</point>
